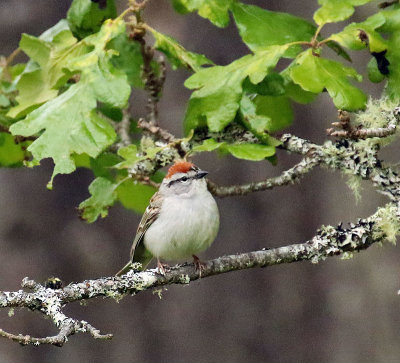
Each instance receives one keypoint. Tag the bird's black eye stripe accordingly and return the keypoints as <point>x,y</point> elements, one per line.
<point>182,179</point>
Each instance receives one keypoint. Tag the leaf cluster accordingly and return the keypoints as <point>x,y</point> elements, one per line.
<point>67,102</point>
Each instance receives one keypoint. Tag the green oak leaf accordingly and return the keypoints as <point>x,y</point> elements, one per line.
<point>85,17</point>
<point>293,90</point>
<point>219,88</point>
<point>244,151</point>
<point>129,58</point>
<point>81,160</point>
<point>374,74</point>
<point>332,11</point>
<point>338,50</point>
<point>130,154</point>
<point>178,55</point>
<point>266,113</point>
<point>50,34</point>
<point>103,195</point>
<point>135,196</point>
<point>392,27</point>
<point>296,93</point>
<point>272,85</point>
<point>85,131</point>
<point>102,166</point>
<point>254,152</point>
<point>361,35</point>
<point>393,56</point>
<point>46,72</point>
<point>392,19</point>
<point>214,10</point>
<point>314,74</point>
<point>260,28</point>
<point>207,145</point>
<point>11,154</point>
<point>69,123</point>
<point>113,185</point>
<point>4,101</point>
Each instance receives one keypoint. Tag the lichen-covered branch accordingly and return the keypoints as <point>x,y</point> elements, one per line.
<point>363,133</point>
<point>329,241</point>
<point>346,130</point>
<point>356,156</point>
<point>156,131</point>
<point>153,83</point>
<point>122,129</point>
<point>289,176</point>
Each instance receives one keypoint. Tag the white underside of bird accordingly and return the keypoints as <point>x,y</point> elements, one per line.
<point>193,228</point>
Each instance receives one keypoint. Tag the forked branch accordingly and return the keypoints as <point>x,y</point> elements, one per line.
<point>329,241</point>
<point>351,156</point>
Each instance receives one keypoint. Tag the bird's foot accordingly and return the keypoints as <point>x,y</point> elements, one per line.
<point>198,265</point>
<point>161,267</point>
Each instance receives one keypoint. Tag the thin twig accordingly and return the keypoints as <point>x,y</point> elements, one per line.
<point>122,128</point>
<point>289,176</point>
<point>346,130</point>
<point>363,133</point>
<point>12,56</point>
<point>157,131</point>
<point>153,83</point>
<point>386,4</point>
<point>146,180</point>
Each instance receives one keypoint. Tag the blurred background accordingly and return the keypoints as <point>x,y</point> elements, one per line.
<point>336,311</point>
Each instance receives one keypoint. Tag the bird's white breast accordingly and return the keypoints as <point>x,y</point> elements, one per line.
<point>185,227</point>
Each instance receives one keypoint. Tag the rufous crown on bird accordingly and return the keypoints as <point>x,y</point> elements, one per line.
<point>180,167</point>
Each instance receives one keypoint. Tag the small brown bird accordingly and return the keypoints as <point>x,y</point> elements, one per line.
<point>181,220</point>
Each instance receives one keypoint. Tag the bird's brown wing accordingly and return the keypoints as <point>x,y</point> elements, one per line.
<point>138,250</point>
<point>139,253</point>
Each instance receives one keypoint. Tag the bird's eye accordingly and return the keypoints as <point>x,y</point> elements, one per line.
<point>184,178</point>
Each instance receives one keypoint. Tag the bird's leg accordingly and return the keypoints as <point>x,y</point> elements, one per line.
<point>199,266</point>
<point>161,267</point>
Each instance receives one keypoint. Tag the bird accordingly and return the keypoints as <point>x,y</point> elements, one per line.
<point>181,220</point>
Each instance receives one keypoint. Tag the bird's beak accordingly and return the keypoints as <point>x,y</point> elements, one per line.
<point>201,174</point>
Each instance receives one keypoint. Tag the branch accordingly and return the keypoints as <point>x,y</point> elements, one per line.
<point>363,133</point>
<point>122,129</point>
<point>153,84</point>
<point>352,156</point>
<point>176,149</point>
<point>156,131</point>
<point>348,131</point>
<point>347,155</point>
<point>289,176</point>
<point>329,241</point>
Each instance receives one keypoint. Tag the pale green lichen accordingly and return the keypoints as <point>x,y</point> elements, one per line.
<point>347,255</point>
<point>184,279</point>
<point>158,292</point>
<point>114,295</point>
<point>136,266</point>
<point>377,113</point>
<point>354,184</point>
<point>387,224</point>
<point>11,312</point>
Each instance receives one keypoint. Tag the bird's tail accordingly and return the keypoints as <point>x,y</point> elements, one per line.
<point>144,258</point>
<point>124,269</point>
